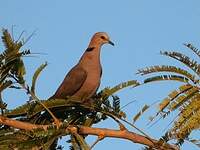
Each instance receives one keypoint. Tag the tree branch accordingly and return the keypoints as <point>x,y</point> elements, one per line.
<point>19,124</point>
<point>125,134</point>
<point>122,134</point>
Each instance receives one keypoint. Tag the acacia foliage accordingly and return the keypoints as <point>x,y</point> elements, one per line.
<point>185,99</point>
<point>104,105</point>
<point>12,70</point>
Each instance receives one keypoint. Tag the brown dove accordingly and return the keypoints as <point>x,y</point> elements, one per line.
<point>83,80</point>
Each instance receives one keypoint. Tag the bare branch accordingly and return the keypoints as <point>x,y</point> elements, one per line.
<point>19,124</point>
<point>125,134</point>
<point>122,134</point>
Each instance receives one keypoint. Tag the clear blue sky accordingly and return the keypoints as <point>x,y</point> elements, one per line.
<point>140,29</point>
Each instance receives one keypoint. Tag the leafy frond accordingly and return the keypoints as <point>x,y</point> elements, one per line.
<point>192,64</point>
<point>23,110</point>
<point>7,39</point>
<point>74,144</point>
<point>173,95</point>
<point>185,99</point>
<point>37,138</point>
<point>111,91</point>
<point>79,142</point>
<point>195,141</point>
<point>31,109</point>
<point>11,63</point>
<point>35,76</point>
<point>188,119</point>
<point>194,49</point>
<point>138,115</point>
<point>165,68</point>
<point>176,99</point>
<point>12,69</point>
<point>5,85</point>
<point>166,77</point>
<point>180,100</point>
<point>12,47</point>
<point>116,103</point>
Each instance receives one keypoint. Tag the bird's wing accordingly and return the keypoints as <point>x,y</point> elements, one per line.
<point>72,82</point>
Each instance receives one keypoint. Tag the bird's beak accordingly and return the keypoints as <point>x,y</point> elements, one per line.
<point>111,43</point>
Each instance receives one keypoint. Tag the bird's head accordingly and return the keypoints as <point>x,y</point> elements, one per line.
<point>101,38</point>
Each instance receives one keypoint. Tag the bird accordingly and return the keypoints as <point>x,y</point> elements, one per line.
<point>79,85</point>
<point>83,80</point>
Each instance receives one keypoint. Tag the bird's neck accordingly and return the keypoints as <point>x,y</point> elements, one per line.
<point>91,55</point>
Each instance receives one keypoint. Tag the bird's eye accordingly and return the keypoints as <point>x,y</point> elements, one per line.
<point>103,37</point>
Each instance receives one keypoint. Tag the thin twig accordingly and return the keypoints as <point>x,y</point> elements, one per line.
<point>98,140</point>
<point>109,114</point>
<point>127,104</point>
<point>20,36</point>
<point>147,136</point>
<point>12,34</point>
<point>56,121</point>
<point>29,37</point>
<point>121,126</point>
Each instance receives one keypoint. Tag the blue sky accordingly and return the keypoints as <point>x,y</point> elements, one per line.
<point>139,29</point>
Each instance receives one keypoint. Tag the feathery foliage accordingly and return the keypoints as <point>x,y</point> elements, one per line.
<point>192,64</point>
<point>12,68</point>
<point>172,69</point>
<point>185,99</point>
<point>166,77</point>
<point>139,114</point>
<point>35,76</point>
<point>194,141</point>
<point>105,104</point>
<point>194,49</point>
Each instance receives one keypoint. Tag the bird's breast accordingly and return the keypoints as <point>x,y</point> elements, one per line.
<point>91,83</point>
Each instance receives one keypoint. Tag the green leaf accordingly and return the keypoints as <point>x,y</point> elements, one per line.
<point>36,75</point>
<point>12,47</point>
<point>137,116</point>
<point>116,104</point>
<point>192,64</point>
<point>7,39</point>
<point>74,145</point>
<point>194,49</point>
<point>165,68</point>
<point>5,85</point>
<point>166,77</point>
<point>20,68</point>
<point>11,62</point>
<point>111,91</point>
<point>195,141</point>
<point>79,141</point>
<point>173,95</point>
<point>180,100</point>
